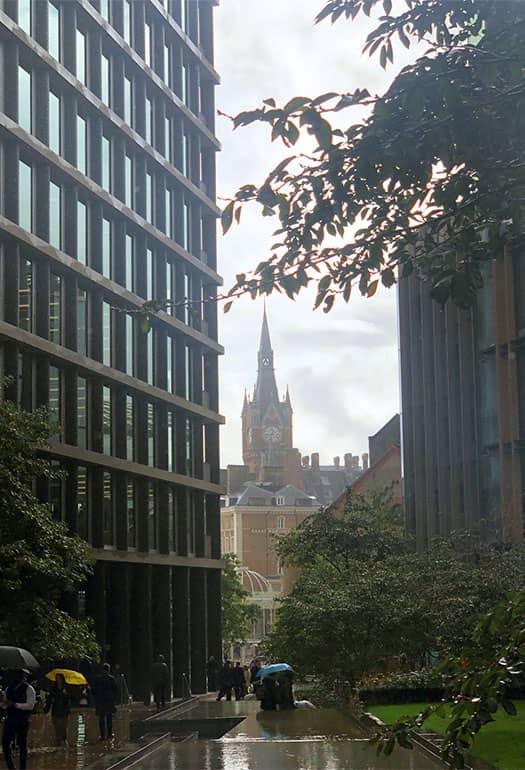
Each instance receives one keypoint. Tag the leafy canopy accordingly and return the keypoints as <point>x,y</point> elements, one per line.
<point>238,613</point>
<point>40,561</point>
<point>432,181</point>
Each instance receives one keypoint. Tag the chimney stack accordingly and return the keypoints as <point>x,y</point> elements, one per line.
<point>365,461</point>
<point>355,462</point>
<point>306,461</point>
<point>315,460</point>
<point>348,460</point>
<point>337,461</point>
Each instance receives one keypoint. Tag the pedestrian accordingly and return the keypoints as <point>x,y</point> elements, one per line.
<point>254,670</point>
<point>122,685</point>
<point>58,702</point>
<point>238,681</point>
<point>212,668</point>
<point>225,681</point>
<point>246,673</point>
<point>160,678</point>
<point>18,700</point>
<point>105,695</point>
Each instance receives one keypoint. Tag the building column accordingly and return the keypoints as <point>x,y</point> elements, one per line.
<point>119,616</point>
<point>162,614</point>
<point>199,627</point>
<point>141,641</point>
<point>181,630</point>
<point>213,581</point>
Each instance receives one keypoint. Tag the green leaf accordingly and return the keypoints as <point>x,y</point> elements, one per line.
<point>372,288</point>
<point>227,217</point>
<point>228,306</point>
<point>295,104</point>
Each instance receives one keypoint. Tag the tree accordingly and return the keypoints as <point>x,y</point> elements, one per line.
<point>364,598</point>
<point>41,562</point>
<point>238,613</point>
<point>432,181</point>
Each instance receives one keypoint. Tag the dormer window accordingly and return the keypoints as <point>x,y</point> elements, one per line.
<point>280,501</point>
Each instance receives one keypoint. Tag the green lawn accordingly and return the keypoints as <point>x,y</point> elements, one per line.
<point>502,743</point>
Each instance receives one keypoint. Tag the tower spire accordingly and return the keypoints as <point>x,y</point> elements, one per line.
<point>266,387</point>
<point>265,345</point>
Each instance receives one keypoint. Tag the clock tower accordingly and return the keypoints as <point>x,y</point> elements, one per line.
<point>267,430</point>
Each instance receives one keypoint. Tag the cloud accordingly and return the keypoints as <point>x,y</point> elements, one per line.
<point>342,368</point>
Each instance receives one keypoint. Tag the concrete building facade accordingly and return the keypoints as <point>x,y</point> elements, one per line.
<point>107,162</point>
<point>463,406</point>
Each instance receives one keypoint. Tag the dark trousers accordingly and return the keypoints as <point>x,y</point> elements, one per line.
<point>10,733</point>
<point>225,691</point>
<point>159,696</point>
<point>105,724</point>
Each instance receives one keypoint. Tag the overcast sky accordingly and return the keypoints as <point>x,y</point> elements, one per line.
<point>341,368</point>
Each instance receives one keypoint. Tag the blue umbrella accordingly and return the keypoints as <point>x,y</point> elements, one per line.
<point>275,668</point>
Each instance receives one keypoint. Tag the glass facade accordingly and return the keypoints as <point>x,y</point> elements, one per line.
<point>55,398</point>
<point>106,164</point>
<point>147,44</point>
<point>54,123</point>
<point>130,428</point>
<point>53,30</point>
<point>106,334</point>
<point>151,433</point>
<point>81,144</point>
<point>131,515</point>
<point>129,272</point>
<point>152,518</point>
<point>82,406</point>
<point>130,344</point>
<point>55,215</point>
<point>25,196</point>
<point>81,57</point>
<point>105,79</point>
<point>106,248</point>
<point>128,101</point>
<point>108,517</point>
<point>126,21</point>
<point>82,503</point>
<point>107,419</point>
<point>149,198</point>
<point>128,182</point>
<point>82,321</point>
<point>25,295</point>
<point>55,309</point>
<point>82,232</point>
<point>24,15</point>
<point>25,112</point>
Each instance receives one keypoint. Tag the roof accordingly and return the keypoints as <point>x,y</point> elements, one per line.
<point>253,581</point>
<point>328,482</point>
<point>253,494</point>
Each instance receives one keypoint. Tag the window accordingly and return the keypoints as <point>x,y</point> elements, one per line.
<point>172,520</point>
<point>187,299</point>
<point>130,428</point>
<point>186,154</point>
<point>149,197</point>
<point>280,524</point>
<point>55,132</point>
<point>184,82</point>
<point>149,274</point>
<point>168,144</point>
<point>148,134</point>
<point>82,232</point>
<point>25,196</point>
<point>82,326</point>
<point>130,346</point>
<point>82,502</point>
<point>126,21</point>
<point>24,99</point>
<point>188,445</point>
<point>131,515</point>
<point>107,508</point>
<point>187,226</point>
<point>106,164</point>
<point>81,57</point>
<point>170,364</point>
<point>149,358</point>
<point>169,214</point>
<point>24,15</point>
<point>128,182</point>
<point>105,79</point>
<point>53,31</point>
<point>55,215</point>
<point>187,373</point>
<point>184,15</point>
<point>152,518</point>
<point>106,419</point>
<point>81,144</point>
<point>190,522</point>
<point>82,405</point>
<point>151,434</point>
<point>55,396</point>
<point>25,295</point>
<point>106,248</point>
<point>128,101</point>
<point>167,65</point>
<point>170,286</point>
<point>104,9</point>
<point>129,249</point>
<point>55,308</point>
<point>172,447</point>
<point>147,43</point>
<point>106,334</point>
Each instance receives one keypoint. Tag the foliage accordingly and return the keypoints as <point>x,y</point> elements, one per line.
<point>40,561</point>
<point>431,181</point>
<point>479,682</point>
<point>238,613</point>
<point>365,602</point>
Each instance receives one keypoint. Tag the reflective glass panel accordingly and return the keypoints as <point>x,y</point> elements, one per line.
<point>82,327</point>
<point>55,215</point>
<point>55,308</point>
<point>82,502</point>
<point>130,428</point>
<point>129,263</point>
<point>24,99</point>
<point>53,31</point>
<point>25,295</point>
<point>81,56</point>
<point>130,344</point>
<point>106,163</point>
<point>54,123</point>
<point>82,404</point>
<point>106,248</point>
<point>25,196</point>
<point>82,232</point>
<point>106,333</point>
<point>81,144</point>
<point>106,419</point>
<point>132,516</point>
<point>152,518</point>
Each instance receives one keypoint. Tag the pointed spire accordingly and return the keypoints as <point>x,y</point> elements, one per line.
<point>287,397</point>
<point>265,345</point>
<point>245,402</point>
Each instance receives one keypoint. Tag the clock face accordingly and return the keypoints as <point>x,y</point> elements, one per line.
<point>272,434</point>
<point>266,361</point>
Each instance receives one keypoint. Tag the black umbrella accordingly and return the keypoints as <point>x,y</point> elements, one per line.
<point>16,657</point>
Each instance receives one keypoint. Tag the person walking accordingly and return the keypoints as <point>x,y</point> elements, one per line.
<point>59,703</point>
<point>122,685</point>
<point>212,668</point>
<point>238,681</point>
<point>105,695</point>
<point>160,677</point>
<point>246,674</point>
<point>18,700</point>
<point>254,670</point>
<point>225,681</point>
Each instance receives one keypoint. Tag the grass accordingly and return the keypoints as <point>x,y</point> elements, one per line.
<point>502,743</point>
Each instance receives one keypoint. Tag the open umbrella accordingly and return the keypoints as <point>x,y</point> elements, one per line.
<point>71,677</point>
<point>274,668</point>
<point>13,658</point>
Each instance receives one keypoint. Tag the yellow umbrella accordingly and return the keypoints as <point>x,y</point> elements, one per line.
<point>71,677</point>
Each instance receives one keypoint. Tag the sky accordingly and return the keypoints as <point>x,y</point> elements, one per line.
<point>342,367</point>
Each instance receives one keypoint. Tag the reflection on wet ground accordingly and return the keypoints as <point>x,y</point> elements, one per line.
<point>288,740</point>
